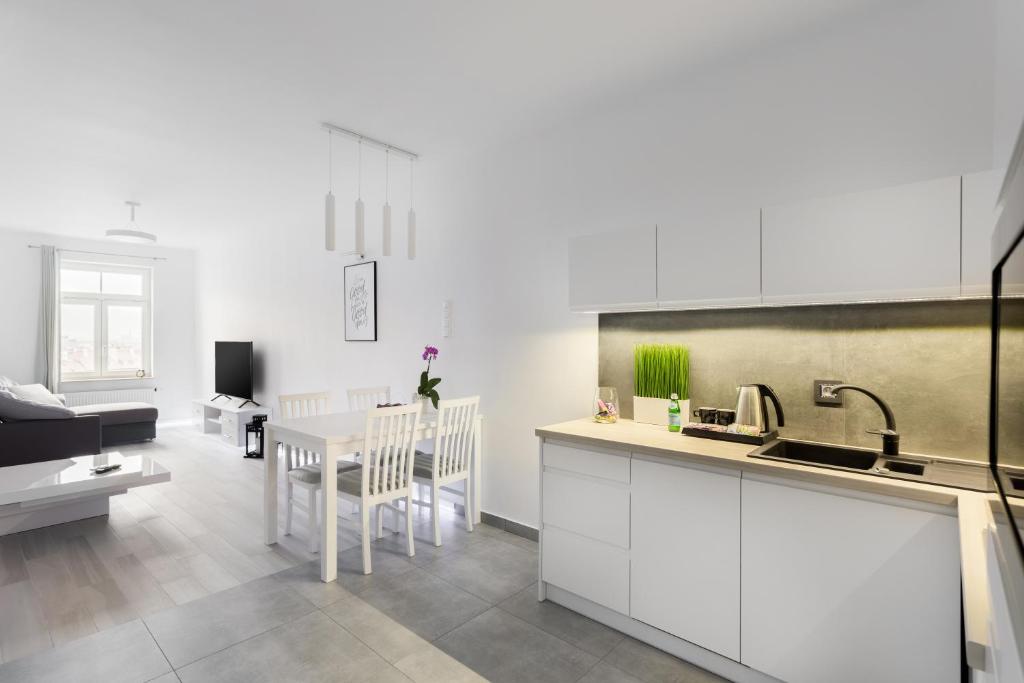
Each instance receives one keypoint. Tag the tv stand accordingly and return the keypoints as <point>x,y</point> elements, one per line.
<point>249,401</point>
<point>226,419</point>
<point>220,396</point>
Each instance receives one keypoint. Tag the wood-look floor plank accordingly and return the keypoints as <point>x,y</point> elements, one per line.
<point>12,561</point>
<point>161,545</point>
<point>185,589</point>
<point>23,628</point>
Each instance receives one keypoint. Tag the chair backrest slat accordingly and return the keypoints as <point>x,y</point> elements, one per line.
<point>453,442</point>
<point>303,405</point>
<point>388,448</point>
<point>368,397</point>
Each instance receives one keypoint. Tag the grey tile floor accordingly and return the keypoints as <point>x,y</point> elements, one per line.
<point>465,611</point>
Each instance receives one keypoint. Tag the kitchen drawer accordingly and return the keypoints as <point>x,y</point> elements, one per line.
<point>591,569</point>
<point>590,507</point>
<point>606,464</point>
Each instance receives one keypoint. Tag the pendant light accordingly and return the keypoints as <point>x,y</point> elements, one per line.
<point>412,218</point>
<point>385,235</point>
<point>131,232</point>
<point>329,200</point>
<point>360,240</point>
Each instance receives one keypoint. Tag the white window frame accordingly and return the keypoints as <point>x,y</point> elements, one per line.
<point>101,302</point>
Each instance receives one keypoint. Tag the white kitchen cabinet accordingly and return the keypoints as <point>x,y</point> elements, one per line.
<point>613,271</point>
<point>893,243</point>
<point>980,194</point>
<point>585,532</point>
<point>685,553</point>
<point>707,260</point>
<point>839,588</point>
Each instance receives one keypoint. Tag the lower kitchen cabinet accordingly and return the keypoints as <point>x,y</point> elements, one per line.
<point>685,553</point>
<point>838,588</point>
<point>585,523</point>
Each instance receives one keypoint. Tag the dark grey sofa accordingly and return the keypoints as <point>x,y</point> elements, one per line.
<point>28,441</point>
<point>123,422</point>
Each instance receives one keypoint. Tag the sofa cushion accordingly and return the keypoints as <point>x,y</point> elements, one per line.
<point>36,393</point>
<point>14,408</point>
<point>119,413</point>
<point>7,382</point>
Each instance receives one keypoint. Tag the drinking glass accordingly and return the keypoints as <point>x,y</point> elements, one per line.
<point>606,405</point>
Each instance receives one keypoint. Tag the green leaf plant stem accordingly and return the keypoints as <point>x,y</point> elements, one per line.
<point>660,370</point>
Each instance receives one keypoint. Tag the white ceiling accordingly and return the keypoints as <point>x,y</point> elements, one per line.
<point>206,110</point>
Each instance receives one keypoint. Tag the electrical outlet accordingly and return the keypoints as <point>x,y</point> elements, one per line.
<point>823,395</point>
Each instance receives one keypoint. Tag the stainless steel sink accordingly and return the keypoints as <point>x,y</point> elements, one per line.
<point>943,471</point>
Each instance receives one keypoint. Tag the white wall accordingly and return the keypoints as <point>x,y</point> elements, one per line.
<point>1009,78</point>
<point>173,316</point>
<point>904,96</point>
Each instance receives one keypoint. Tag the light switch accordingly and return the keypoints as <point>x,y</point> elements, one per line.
<point>446,318</point>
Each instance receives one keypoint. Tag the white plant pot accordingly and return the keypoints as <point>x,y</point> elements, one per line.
<point>654,411</point>
<point>428,406</point>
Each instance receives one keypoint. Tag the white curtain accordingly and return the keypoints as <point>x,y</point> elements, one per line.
<point>49,332</point>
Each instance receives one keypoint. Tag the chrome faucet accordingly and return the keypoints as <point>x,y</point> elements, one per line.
<point>890,437</point>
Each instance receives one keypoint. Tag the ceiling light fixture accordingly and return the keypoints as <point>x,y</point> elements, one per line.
<point>360,222</point>
<point>329,199</point>
<point>131,232</point>
<point>412,218</point>
<point>385,231</point>
<point>360,239</point>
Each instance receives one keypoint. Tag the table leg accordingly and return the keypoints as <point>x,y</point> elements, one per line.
<point>270,487</point>
<point>478,448</point>
<point>329,514</point>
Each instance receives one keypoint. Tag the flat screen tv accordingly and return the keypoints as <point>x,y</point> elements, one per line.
<point>233,369</point>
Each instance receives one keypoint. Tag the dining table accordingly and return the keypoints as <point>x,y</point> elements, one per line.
<point>334,435</point>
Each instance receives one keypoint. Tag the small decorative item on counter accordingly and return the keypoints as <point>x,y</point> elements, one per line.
<point>428,386</point>
<point>673,412</point>
<point>749,430</point>
<point>606,405</point>
<point>659,370</point>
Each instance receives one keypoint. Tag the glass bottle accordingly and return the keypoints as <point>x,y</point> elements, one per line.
<point>673,413</point>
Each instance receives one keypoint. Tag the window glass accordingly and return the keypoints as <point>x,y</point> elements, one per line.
<point>79,280</point>
<point>77,338</point>
<point>122,283</point>
<point>124,337</point>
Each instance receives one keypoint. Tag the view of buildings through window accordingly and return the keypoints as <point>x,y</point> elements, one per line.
<point>105,320</point>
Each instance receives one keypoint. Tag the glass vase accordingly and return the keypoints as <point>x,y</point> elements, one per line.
<point>606,405</point>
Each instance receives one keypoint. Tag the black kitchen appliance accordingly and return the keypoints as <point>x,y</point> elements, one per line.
<point>1006,409</point>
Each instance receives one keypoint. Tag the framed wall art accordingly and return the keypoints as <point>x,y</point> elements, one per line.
<point>361,302</point>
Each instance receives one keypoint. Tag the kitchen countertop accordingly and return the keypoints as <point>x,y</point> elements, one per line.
<point>968,506</point>
<point>655,440</point>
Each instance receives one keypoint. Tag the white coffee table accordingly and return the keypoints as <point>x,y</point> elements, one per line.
<point>56,491</point>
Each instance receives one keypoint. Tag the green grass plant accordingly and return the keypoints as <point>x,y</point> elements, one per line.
<point>660,370</point>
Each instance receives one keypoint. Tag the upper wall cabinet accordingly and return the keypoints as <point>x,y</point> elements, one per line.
<point>613,271</point>
<point>980,194</point>
<point>714,260</point>
<point>894,243</point>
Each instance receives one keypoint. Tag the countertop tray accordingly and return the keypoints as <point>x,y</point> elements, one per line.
<point>758,440</point>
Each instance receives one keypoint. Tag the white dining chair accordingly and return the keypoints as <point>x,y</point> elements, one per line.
<point>385,475</point>
<point>302,466</point>
<point>368,397</point>
<point>452,457</point>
